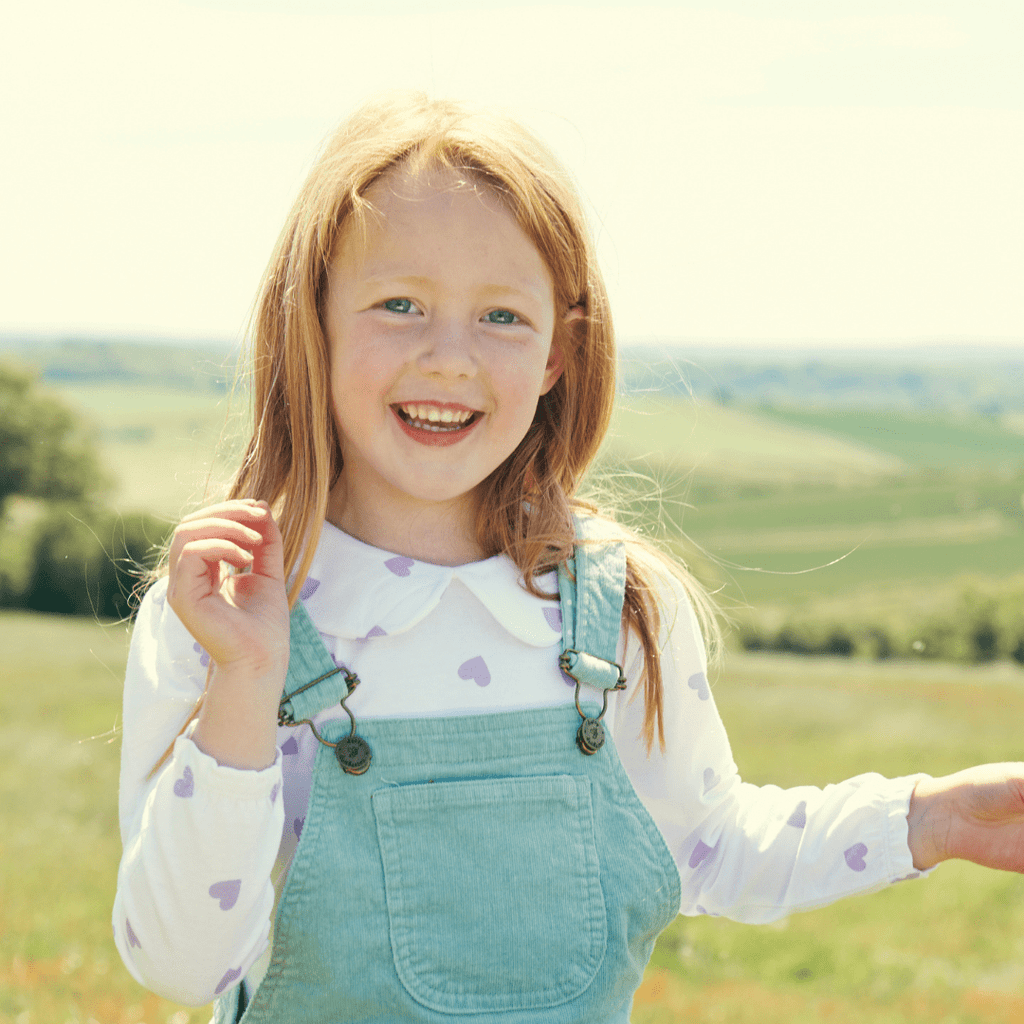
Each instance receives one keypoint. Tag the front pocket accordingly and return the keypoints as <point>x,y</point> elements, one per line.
<point>493,891</point>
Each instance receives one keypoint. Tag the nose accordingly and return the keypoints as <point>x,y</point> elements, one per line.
<point>448,351</point>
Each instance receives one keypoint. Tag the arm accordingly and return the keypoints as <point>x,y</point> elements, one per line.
<point>747,852</point>
<point>201,834</point>
<point>976,815</point>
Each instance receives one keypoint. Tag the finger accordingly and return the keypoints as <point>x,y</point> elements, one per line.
<point>203,529</point>
<point>201,559</point>
<point>247,509</point>
<point>227,516</point>
<point>268,557</point>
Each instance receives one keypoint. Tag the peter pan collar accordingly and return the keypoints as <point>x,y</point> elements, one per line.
<point>358,592</point>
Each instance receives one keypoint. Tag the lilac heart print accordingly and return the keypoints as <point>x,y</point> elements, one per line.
<point>185,786</point>
<point>477,670</point>
<point>699,682</point>
<point>400,565</point>
<point>855,857</point>
<point>553,617</point>
<point>232,974</point>
<point>798,819</point>
<point>226,892</point>
<point>701,852</point>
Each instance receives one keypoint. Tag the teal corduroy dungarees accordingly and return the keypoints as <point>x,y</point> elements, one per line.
<point>483,869</point>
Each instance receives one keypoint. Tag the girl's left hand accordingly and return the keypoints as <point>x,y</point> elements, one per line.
<point>976,815</point>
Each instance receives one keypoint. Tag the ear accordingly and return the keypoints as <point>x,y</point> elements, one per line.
<point>556,357</point>
<point>556,364</point>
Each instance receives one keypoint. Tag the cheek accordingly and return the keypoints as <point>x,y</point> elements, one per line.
<point>360,372</point>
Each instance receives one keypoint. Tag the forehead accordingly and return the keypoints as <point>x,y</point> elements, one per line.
<point>436,214</point>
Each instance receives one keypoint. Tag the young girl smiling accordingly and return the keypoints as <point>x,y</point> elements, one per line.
<point>411,733</point>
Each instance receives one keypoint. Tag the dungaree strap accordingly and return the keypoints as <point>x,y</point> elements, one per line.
<point>592,607</point>
<point>314,681</point>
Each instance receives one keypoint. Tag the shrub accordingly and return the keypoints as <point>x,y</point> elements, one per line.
<point>46,451</point>
<point>90,562</point>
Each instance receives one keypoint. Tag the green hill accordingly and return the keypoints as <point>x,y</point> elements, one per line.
<point>739,445</point>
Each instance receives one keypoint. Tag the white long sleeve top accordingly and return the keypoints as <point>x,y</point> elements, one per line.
<point>207,847</point>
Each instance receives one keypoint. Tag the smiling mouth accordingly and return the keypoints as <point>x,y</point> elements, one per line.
<point>435,419</point>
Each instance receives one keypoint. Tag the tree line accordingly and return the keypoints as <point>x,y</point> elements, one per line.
<point>63,550</point>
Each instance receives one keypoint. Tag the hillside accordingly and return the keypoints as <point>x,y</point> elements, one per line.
<point>940,378</point>
<point>777,505</point>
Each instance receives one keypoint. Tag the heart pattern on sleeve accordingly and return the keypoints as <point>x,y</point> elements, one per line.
<point>701,852</point>
<point>185,786</point>
<point>232,974</point>
<point>855,857</point>
<point>798,819</point>
<point>227,892</point>
<point>699,682</point>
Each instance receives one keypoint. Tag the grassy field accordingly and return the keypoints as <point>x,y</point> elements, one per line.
<point>775,510</point>
<point>161,444</point>
<point>60,843</point>
<point>788,520</point>
<point>906,508</point>
<point>942,442</point>
<point>738,445</point>
<point>950,948</point>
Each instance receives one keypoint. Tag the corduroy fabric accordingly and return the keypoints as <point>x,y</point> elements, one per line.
<point>482,870</point>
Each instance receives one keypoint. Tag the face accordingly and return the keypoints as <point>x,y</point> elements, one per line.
<point>440,325</point>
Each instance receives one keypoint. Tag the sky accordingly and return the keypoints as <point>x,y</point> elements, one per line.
<point>781,170</point>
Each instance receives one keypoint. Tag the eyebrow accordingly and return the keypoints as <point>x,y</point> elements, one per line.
<point>413,279</point>
<point>537,294</point>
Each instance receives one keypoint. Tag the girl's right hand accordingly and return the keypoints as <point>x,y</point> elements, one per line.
<point>240,618</point>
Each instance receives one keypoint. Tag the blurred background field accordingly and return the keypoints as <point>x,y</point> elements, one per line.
<point>947,949</point>
<point>864,533</point>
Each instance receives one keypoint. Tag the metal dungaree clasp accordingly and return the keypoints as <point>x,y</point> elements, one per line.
<point>590,735</point>
<point>352,751</point>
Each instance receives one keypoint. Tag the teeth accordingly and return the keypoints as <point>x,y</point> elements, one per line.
<point>429,417</point>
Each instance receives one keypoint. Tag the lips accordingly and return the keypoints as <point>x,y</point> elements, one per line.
<point>434,423</point>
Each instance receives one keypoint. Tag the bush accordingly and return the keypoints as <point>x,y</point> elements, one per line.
<point>46,451</point>
<point>981,623</point>
<point>1017,651</point>
<point>90,562</point>
<point>802,636</point>
<point>878,643</point>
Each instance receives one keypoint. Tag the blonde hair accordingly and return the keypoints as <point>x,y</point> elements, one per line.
<point>293,458</point>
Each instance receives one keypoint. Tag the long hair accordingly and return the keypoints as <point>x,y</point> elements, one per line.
<point>293,457</point>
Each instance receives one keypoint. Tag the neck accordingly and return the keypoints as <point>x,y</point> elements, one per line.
<point>443,533</point>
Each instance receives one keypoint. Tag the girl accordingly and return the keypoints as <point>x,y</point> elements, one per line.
<point>532,779</point>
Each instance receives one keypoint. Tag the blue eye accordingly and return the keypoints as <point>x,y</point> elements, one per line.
<point>398,305</point>
<point>501,316</point>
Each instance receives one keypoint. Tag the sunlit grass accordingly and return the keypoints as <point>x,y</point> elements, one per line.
<point>949,948</point>
<point>60,842</point>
